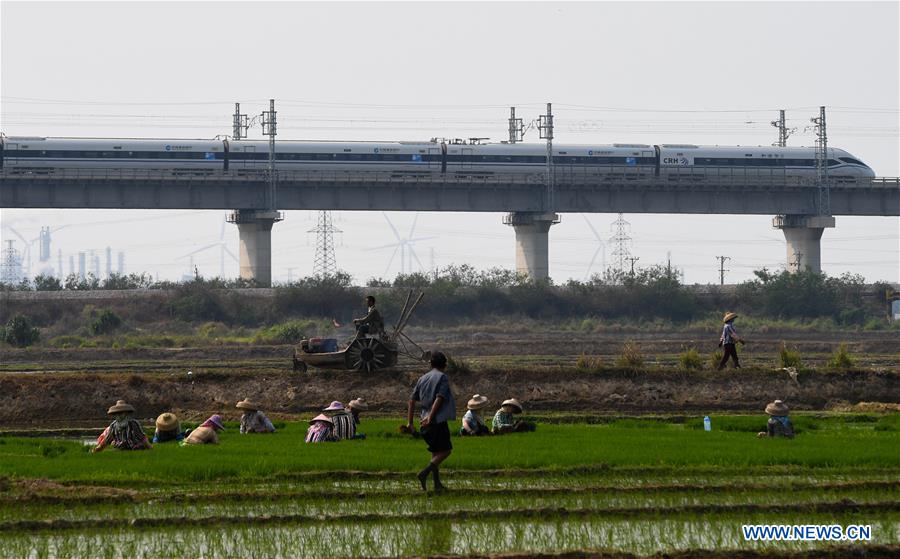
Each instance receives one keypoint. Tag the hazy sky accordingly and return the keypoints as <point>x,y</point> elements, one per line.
<point>706,73</point>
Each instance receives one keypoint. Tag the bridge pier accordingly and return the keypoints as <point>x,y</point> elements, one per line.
<point>255,232</point>
<point>532,242</point>
<point>803,234</point>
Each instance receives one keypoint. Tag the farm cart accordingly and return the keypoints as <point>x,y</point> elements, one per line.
<point>366,354</point>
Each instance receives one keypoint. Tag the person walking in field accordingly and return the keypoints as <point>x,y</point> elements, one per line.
<point>779,425</point>
<point>728,340</point>
<point>432,392</point>
<point>472,424</point>
<point>207,433</point>
<point>124,433</point>
<point>344,426</point>
<point>253,420</point>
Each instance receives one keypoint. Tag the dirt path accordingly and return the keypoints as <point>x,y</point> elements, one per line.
<point>55,399</point>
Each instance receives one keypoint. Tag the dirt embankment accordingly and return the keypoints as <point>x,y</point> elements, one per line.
<point>69,399</point>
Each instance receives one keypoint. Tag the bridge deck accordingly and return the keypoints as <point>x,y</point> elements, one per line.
<point>756,192</point>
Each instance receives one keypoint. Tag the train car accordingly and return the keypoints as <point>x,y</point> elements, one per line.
<point>680,159</point>
<point>48,154</point>
<point>398,157</point>
<point>35,154</point>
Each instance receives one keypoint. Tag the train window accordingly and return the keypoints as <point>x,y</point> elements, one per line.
<point>833,162</point>
<point>852,161</point>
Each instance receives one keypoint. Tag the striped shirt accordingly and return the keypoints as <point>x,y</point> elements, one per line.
<point>344,426</point>
<point>319,432</point>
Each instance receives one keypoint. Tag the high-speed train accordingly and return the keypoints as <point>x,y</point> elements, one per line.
<point>47,155</point>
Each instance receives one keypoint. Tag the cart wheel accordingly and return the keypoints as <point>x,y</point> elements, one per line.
<point>367,355</point>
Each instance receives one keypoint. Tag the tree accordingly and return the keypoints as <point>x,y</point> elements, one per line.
<point>19,332</point>
<point>47,283</point>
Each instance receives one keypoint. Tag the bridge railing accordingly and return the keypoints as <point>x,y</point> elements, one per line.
<point>564,176</point>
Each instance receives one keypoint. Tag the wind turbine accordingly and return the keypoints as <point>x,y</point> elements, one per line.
<point>405,246</point>
<point>223,250</point>
<point>600,247</point>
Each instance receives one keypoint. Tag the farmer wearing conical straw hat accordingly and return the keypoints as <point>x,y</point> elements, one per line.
<point>253,420</point>
<point>779,424</point>
<point>167,428</point>
<point>727,341</point>
<point>505,420</point>
<point>472,424</point>
<point>124,433</point>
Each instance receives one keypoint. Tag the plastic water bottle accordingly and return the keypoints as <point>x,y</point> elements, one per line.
<point>707,424</point>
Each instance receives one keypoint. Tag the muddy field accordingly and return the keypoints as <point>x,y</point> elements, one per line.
<point>74,386</point>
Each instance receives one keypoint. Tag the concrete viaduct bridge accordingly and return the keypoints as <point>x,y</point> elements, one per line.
<point>792,200</point>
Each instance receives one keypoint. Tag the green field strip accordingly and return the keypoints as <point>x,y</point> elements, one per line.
<point>631,512</point>
<point>98,495</point>
<point>467,536</point>
<point>276,505</point>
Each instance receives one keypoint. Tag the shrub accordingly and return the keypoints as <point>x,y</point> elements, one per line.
<point>715,358</point>
<point>630,357</point>
<point>458,366</point>
<point>841,358</point>
<point>789,357</point>
<point>290,332</point>
<point>691,359</point>
<point>106,322</point>
<point>66,341</point>
<point>588,363</point>
<point>19,332</point>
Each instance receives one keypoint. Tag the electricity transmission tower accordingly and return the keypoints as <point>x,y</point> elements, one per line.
<point>324,263</point>
<point>620,240</point>
<point>10,265</point>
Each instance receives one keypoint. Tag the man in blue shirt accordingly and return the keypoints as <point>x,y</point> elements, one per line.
<point>438,407</point>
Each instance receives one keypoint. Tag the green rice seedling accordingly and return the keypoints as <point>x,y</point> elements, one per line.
<point>841,358</point>
<point>588,363</point>
<point>715,358</point>
<point>690,359</point>
<point>788,357</point>
<point>630,356</point>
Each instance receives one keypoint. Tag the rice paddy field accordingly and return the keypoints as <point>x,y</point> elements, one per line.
<point>601,487</point>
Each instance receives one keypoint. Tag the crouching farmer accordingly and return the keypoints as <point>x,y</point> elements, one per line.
<point>505,419</point>
<point>207,433</point>
<point>321,429</point>
<point>779,424</point>
<point>253,420</point>
<point>124,433</point>
<point>167,428</point>
<point>472,424</point>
